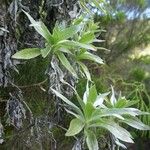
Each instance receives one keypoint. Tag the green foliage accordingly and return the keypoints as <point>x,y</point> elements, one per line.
<point>138,91</point>
<point>27,53</point>
<point>138,74</point>
<point>76,125</point>
<point>99,111</point>
<point>91,140</point>
<point>66,41</point>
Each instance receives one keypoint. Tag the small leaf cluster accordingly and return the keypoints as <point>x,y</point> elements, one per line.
<point>74,42</point>
<point>102,111</point>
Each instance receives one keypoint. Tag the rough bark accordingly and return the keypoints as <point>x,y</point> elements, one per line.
<point>29,132</point>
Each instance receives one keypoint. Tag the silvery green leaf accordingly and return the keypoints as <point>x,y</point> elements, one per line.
<point>73,106</point>
<point>86,93</point>
<point>120,144</point>
<point>66,63</point>
<point>116,130</point>
<point>88,110</point>
<point>91,140</point>
<point>66,33</point>
<point>118,116</point>
<point>92,94</point>
<point>74,114</point>
<point>130,102</point>
<point>121,103</point>
<point>87,38</point>
<point>100,99</point>
<point>45,51</point>
<point>27,53</point>
<point>97,40</point>
<point>102,48</point>
<point>136,123</point>
<point>40,28</point>
<point>43,31</point>
<point>77,44</point>
<point>90,56</point>
<point>85,70</point>
<point>117,112</point>
<point>76,125</point>
<point>122,111</point>
<point>113,98</point>
<point>65,50</point>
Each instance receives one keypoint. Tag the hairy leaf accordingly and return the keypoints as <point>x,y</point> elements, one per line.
<point>73,106</point>
<point>90,56</point>
<point>77,44</point>
<point>66,33</point>
<point>75,127</point>
<point>91,140</point>
<point>116,130</point>
<point>66,63</point>
<point>27,53</point>
<point>85,70</point>
<point>40,28</point>
<point>46,51</point>
<point>136,123</point>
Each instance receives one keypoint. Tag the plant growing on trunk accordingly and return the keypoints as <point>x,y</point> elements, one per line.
<point>100,111</point>
<point>74,41</point>
<point>94,110</point>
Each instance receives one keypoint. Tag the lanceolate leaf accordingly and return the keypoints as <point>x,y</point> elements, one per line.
<point>97,40</point>
<point>65,50</point>
<point>66,63</point>
<point>120,144</point>
<point>116,130</point>
<point>89,108</point>
<point>131,102</point>
<point>40,28</point>
<point>117,112</point>
<point>90,56</point>
<point>123,103</point>
<point>74,114</point>
<point>92,95</point>
<point>87,38</point>
<point>91,140</point>
<point>66,33</point>
<point>77,44</point>
<point>136,123</point>
<point>75,127</point>
<point>73,106</point>
<point>113,98</point>
<point>27,53</point>
<point>46,51</point>
<point>81,102</point>
<point>120,103</point>
<point>100,99</point>
<point>86,93</point>
<point>102,48</point>
<point>85,70</point>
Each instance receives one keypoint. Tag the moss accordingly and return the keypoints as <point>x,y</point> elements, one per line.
<point>32,71</point>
